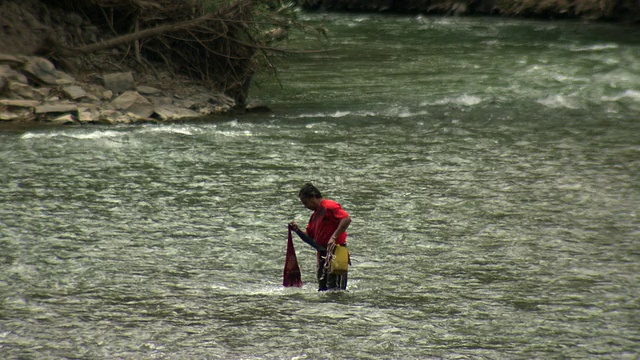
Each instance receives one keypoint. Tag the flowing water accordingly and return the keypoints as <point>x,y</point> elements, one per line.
<point>491,168</point>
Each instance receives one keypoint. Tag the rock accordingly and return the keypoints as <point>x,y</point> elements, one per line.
<point>108,116</point>
<point>45,92</point>
<point>134,103</point>
<point>206,110</point>
<point>254,106</point>
<point>62,120</point>
<point>148,90</point>
<point>119,82</point>
<point>186,103</point>
<point>169,112</point>
<point>107,95</point>
<point>88,113</point>
<point>64,79</point>
<point>17,115</point>
<point>56,108</point>
<point>74,92</point>
<point>6,72</point>
<point>19,103</point>
<point>127,118</point>
<point>161,100</point>
<point>127,99</point>
<point>25,91</point>
<point>9,115</point>
<point>135,118</point>
<point>43,71</point>
<point>11,60</point>
<point>141,110</point>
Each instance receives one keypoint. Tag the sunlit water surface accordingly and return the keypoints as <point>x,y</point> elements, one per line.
<point>491,167</point>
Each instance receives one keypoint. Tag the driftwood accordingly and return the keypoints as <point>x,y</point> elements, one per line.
<point>135,36</point>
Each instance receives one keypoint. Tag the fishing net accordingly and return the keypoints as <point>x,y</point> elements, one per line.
<point>291,274</point>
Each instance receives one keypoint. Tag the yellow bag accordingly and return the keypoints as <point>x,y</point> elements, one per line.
<point>340,260</point>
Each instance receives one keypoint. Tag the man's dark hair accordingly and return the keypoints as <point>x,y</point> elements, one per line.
<point>309,191</point>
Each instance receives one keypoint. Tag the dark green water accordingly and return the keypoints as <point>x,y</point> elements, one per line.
<point>491,167</point>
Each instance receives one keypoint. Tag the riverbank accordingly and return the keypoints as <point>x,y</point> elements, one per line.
<point>605,10</point>
<point>115,62</point>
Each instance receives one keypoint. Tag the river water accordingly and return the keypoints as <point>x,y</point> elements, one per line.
<point>491,168</point>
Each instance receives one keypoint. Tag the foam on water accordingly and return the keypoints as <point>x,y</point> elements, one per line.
<point>627,94</point>
<point>173,129</point>
<point>595,48</point>
<point>75,134</point>
<point>561,101</point>
<point>462,100</point>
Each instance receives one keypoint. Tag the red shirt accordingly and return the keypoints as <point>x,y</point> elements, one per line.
<point>324,222</point>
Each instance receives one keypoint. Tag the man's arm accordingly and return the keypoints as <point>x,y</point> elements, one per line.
<point>342,227</point>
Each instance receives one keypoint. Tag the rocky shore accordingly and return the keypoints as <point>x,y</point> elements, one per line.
<point>33,90</point>
<point>167,60</point>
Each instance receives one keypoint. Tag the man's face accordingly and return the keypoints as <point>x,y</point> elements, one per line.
<point>309,203</point>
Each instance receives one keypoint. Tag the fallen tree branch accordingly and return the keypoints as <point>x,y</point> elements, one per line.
<point>142,34</point>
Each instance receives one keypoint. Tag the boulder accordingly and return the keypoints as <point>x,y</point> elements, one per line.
<point>56,108</point>
<point>44,72</point>
<point>9,115</point>
<point>16,115</point>
<point>107,95</point>
<point>127,99</point>
<point>74,92</point>
<point>257,107</point>
<point>62,120</point>
<point>26,92</point>
<point>148,90</point>
<point>19,103</point>
<point>119,82</point>
<point>11,60</point>
<point>7,73</point>
<point>108,116</point>
<point>169,112</point>
<point>88,113</point>
<point>142,111</point>
<point>133,102</point>
<point>185,103</point>
<point>161,100</point>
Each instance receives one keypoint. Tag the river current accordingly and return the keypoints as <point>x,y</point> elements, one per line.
<point>491,167</point>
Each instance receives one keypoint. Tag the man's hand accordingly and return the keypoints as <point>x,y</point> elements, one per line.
<point>331,245</point>
<point>294,226</point>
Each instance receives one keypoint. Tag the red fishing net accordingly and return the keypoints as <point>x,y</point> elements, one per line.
<point>291,273</point>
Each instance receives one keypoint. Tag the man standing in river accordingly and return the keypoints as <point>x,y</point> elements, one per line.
<point>327,226</point>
